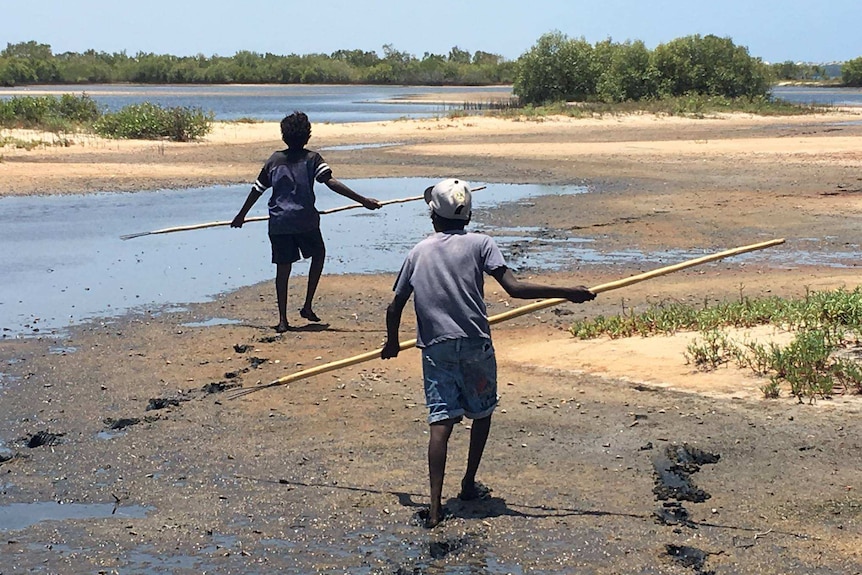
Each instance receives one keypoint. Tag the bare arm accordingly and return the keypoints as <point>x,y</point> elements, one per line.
<point>340,188</point>
<point>393,320</point>
<point>238,220</point>
<point>524,290</point>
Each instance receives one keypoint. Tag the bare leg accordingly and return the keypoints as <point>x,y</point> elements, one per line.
<point>314,273</point>
<point>282,275</point>
<point>478,438</point>
<point>438,445</point>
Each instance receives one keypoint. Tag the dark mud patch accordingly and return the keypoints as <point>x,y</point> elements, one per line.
<point>126,422</point>
<point>219,386</point>
<point>673,470</point>
<point>121,423</point>
<point>442,548</point>
<point>6,455</point>
<point>43,438</point>
<point>689,557</point>
<point>253,363</point>
<point>157,403</point>
<point>673,513</point>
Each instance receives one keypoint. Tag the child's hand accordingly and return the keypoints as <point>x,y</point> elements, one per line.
<point>390,349</point>
<point>371,204</point>
<point>237,222</point>
<point>580,294</point>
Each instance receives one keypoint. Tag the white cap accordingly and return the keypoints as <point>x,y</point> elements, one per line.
<point>450,199</point>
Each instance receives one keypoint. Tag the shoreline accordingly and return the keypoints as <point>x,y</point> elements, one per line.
<point>231,154</point>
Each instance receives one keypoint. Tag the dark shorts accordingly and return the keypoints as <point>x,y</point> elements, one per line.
<point>286,248</point>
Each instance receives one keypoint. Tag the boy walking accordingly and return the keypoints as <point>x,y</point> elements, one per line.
<point>444,273</point>
<point>294,224</point>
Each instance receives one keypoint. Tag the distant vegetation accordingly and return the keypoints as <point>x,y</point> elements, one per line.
<point>34,63</point>
<point>694,75</point>
<point>70,113</point>
<point>605,71</point>
<point>808,73</point>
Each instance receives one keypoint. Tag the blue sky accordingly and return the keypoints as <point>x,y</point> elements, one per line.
<point>798,30</point>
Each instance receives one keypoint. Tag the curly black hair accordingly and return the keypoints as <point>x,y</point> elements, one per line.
<point>295,130</point>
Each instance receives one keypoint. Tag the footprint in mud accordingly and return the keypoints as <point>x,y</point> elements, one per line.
<point>41,438</point>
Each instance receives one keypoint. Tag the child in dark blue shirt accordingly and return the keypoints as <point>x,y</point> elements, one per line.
<point>294,224</point>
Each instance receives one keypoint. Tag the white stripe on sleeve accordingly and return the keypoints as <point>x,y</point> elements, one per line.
<point>323,167</point>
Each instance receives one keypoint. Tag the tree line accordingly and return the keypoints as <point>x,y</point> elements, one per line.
<point>34,63</point>
<point>556,68</point>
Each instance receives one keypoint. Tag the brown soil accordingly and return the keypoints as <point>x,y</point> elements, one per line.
<point>325,474</point>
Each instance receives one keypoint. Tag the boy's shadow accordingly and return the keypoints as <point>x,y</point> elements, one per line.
<point>309,327</point>
<point>484,508</point>
<point>489,507</point>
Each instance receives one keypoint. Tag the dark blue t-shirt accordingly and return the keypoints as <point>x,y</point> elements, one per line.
<point>291,175</point>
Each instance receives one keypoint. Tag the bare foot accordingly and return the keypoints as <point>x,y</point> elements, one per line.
<point>308,314</point>
<point>473,491</point>
<point>282,327</point>
<point>432,517</point>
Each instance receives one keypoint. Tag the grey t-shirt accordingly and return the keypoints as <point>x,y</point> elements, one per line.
<point>445,274</point>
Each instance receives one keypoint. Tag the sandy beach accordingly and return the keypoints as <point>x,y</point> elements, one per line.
<point>325,475</point>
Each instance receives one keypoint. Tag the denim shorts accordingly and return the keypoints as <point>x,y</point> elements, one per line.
<point>460,379</point>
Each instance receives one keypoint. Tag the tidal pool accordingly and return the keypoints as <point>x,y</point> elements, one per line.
<point>17,516</point>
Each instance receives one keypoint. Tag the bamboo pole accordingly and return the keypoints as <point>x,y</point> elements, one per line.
<point>523,310</point>
<point>263,218</point>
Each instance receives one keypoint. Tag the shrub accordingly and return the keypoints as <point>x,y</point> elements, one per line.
<point>149,121</point>
<point>81,109</point>
<point>48,112</point>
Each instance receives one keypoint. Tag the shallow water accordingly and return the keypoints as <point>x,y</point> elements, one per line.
<point>15,516</point>
<point>63,262</point>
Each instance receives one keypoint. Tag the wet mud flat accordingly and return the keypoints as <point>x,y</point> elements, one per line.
<point>328,474</point>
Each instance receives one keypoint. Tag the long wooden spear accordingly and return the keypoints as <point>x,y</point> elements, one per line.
<point>517,312</point>
<point>264,218</point>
